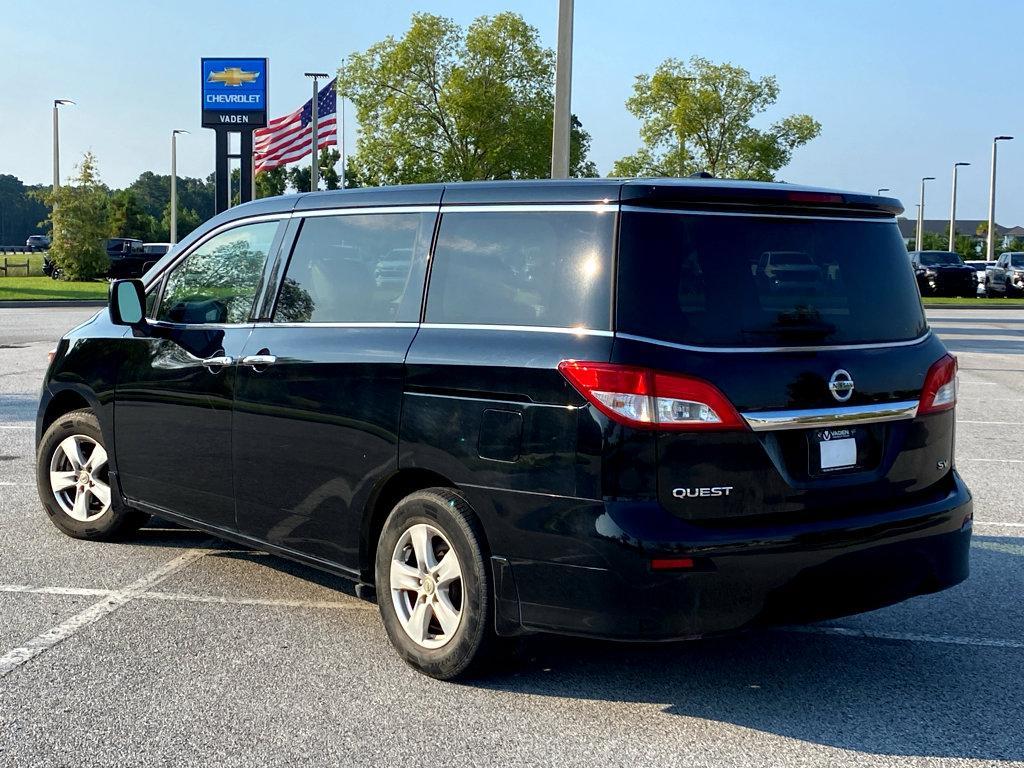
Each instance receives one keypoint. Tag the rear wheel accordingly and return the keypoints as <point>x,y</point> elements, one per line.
<point>73,480</point>
<point>433,587</point>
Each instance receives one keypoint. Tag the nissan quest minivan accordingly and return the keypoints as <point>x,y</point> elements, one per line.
<point>640,409</point>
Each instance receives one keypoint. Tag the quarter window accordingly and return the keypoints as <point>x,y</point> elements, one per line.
<point>217,282</point>
<point>356,268</point>
<point>530,268</point>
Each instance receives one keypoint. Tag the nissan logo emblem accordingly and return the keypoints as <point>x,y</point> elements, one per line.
<point>840,384</point>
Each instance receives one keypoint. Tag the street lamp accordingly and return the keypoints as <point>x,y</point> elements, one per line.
<point>174,183</point>
<point>314,172</point>
<point>990,248</point>
<point>920,214</point>
<point>952,209</point>
<point>56,141</point>
<point>881,190</point>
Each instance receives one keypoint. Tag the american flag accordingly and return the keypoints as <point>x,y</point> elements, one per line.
<point>287,139</point>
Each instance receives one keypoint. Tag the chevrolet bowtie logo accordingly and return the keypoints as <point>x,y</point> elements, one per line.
<point>232,76</point>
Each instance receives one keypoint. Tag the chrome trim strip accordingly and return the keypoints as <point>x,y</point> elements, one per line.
<point>598,208</point>
<point>761,421</point>
<point>339,324</point>
<point>807,348</point>
<point>478,399</point>
<point>361,210</point>
<point>536,329</point>
<point>646,210</point>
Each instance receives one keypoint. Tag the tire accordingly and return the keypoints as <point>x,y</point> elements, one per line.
<point>83,509</point>
<point>442,519</point>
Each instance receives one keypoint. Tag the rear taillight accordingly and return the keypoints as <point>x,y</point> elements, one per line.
<point>652,400</point>
<point>939,391</point>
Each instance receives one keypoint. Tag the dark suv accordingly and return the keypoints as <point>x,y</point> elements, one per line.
<point>654,409</point>
<point>943,273</point>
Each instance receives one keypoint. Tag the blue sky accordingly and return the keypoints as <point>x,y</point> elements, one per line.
<point>902,89</point>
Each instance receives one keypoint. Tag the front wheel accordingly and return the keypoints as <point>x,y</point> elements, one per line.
<point>73,480</point>
<point>433,587</point>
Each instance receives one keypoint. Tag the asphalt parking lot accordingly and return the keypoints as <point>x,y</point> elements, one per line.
<point>176,649</point>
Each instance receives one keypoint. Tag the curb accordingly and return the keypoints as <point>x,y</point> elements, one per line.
<point>8,304</point>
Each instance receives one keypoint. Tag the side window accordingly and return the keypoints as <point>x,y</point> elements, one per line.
<point>357,268</point>
<point>530,268</point>
<point>217,282</point>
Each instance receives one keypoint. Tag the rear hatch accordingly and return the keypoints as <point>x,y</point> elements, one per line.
<point>810,325</point>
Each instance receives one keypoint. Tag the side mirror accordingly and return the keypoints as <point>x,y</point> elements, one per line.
<point>127,302</point>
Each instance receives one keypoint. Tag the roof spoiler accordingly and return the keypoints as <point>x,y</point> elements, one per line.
<point>738,195</point>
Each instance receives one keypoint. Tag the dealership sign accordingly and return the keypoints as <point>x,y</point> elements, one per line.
<point>234,92</point>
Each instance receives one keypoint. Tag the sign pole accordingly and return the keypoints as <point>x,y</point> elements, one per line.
<point>314,170</point>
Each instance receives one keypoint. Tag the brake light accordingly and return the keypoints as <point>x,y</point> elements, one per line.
<point>652,400</point>
<point>814,197</point>
<point>939,391</point>
<point>671,564</point>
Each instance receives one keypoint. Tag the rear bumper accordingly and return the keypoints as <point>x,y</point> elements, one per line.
<point>780,574</point>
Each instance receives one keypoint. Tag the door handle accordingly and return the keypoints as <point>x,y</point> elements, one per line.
<point>259,360</point>
<point>218,361</point>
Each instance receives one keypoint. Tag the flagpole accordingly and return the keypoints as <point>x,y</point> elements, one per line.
<point>314,171</point>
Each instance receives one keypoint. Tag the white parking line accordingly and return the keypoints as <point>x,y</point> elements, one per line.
<point>981,422</point>
<point>18,656</point>
<point>16,427</point>
<point>999,523</point>
<point>352,603</point>
<point>988,459</point>
<point>849,632</point>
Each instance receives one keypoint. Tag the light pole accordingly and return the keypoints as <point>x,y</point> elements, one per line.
<point>952,209</point>
<point>314,171</point>
<point>881,190</point>
<point>990,248</point>
<point>174,183</point>
<point>56,141</point>
<point>920,215</point>
<point>563,93</point>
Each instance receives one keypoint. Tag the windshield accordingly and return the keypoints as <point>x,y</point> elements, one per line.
<point>1017,260</point>
<point>712,280</point>
<point>939,258</point>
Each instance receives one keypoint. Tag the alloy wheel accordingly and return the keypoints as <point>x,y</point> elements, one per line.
<point>79,478</point>
<point>426,586</point>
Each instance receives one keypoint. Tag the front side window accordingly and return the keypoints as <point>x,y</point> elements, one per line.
<point>524,268</point>
<point>356,268</point>
<point>217,283</point>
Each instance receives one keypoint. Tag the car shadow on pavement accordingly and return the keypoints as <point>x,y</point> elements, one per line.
<point>879,696</point>
<point>890,697</point>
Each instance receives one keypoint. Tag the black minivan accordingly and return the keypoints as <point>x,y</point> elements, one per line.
<point>642,409</point>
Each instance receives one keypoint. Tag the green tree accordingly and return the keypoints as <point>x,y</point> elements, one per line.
<point>80,218</point>
<point>298,175</point>
<point>188,220</point>
<point>127,217</point>
<point>270,183</point>
<point>444,104</point>
<point>698,117</point>
<point>21,210</point>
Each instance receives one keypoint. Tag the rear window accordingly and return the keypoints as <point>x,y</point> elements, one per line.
<point>749,281</point>
<point>528,268</point>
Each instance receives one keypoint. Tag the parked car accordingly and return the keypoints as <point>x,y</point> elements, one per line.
<point>980,266</point>
<point>789,271</point>
<point>632,437</point>
<point>128,258</point>
<point>943,273</point>
<point>1005,277</point>
<point>38,243</point>
<point>156,249</point>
